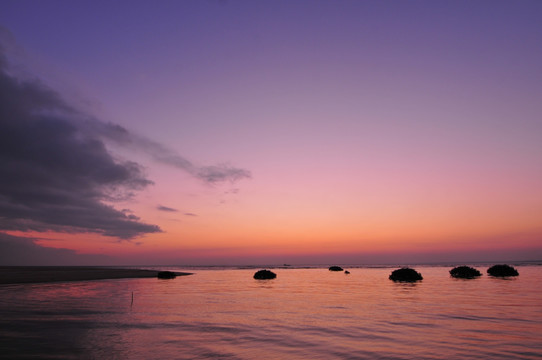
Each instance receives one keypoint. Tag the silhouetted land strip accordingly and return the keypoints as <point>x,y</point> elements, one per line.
<point>166,275</point>
<point>40,274</point>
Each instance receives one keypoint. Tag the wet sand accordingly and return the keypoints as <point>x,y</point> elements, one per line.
<point>40,274</point>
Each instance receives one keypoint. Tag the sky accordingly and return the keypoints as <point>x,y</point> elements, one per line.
<point>249,132</point>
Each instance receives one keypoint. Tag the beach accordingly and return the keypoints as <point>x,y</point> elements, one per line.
<point>41,274</point>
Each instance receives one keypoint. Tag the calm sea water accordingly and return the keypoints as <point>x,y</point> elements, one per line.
<point>302,314</point>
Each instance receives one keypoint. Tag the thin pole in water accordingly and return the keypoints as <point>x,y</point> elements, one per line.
<point>132,299</point>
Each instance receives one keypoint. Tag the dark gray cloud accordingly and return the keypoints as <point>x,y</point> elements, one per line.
<point>58,174</point>
<point>166,209</point>
<point>190,214</point>
<point>55,175</point>
<point>18,250</point>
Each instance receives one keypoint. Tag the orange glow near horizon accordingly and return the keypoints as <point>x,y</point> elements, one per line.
<point>260,221</point>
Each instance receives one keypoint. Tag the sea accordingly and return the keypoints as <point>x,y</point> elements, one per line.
<point>305,313</point>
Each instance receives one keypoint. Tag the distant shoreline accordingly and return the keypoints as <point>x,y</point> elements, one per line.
<point>46,274</point>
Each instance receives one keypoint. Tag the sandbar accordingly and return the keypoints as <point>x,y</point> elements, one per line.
<point>41,274</point>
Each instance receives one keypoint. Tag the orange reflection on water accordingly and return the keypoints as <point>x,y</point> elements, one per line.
<point>303,313</point>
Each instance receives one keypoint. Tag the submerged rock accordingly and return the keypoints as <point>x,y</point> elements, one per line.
<point>166,275</point>
<point>335,268</point>
<point>264,275</point>
<point>405,274</point>
<point>465,272</point>
<point>502,270</point>
<point>347,272</point>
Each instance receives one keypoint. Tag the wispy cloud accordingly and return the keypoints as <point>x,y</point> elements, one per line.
<point>166,209</point>
<point>210,174</point>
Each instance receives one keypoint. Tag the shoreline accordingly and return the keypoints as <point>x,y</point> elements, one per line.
<point>45,274</point>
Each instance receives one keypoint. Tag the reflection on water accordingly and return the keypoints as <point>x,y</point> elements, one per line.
<point>302,314</point>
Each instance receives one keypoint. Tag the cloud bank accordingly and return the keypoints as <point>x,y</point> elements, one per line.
<point>55,176</point>
<point>18,250</point>
<point>57,173</point>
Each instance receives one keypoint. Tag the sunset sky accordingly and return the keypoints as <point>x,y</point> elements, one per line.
<point>246,132</point>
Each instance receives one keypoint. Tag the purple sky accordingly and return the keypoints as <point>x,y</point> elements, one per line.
<point>335,125</point>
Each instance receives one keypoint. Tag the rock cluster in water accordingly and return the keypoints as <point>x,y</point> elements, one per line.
<point>406,275</point>
<point>166,275</point>
<point>264,275</point>
<point>502,270</point>
<point>465,272</point>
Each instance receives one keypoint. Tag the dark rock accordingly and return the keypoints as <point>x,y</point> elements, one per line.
<point>264,275</point>
<point>405,274</point>
<point>166,275</point>
<point>465,272</point>
<point>347,272</point>
<point>335,268</point>
<point>502,270</point>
